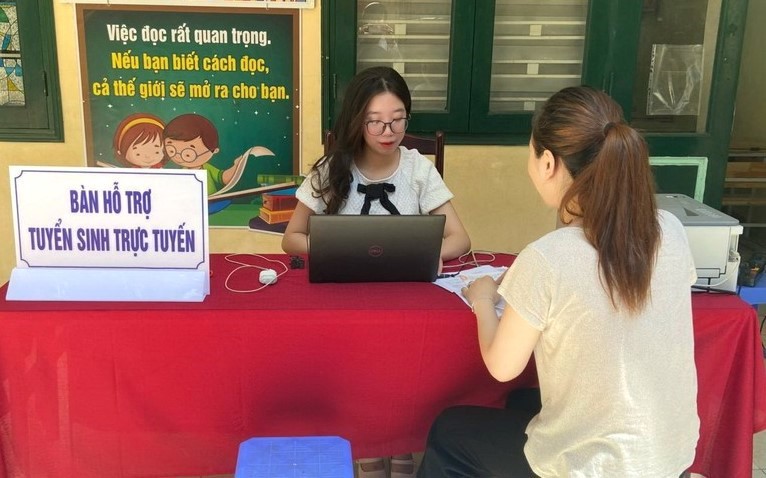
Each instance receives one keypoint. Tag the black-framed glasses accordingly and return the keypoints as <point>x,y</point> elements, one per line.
<point>377,127</point>
<point>188,154</point>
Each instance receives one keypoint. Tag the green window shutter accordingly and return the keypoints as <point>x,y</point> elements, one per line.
<point>39,117</point>
<point>486,101</point>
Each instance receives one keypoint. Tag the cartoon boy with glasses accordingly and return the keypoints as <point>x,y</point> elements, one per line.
<point>191,141</point>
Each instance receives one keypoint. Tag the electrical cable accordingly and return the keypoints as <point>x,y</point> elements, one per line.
<point>244,265</point>
<point>484,257</point>
<point>733,257</point>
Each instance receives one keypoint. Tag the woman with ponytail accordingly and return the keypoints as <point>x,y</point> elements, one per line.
<point>604,303</point>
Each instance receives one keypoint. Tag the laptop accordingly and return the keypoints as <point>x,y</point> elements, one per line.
<point>375,248</point>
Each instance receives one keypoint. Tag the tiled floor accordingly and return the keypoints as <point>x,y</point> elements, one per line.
<point>759,455</point>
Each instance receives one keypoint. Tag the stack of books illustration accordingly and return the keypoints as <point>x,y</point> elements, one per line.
<point>275,207</point>
<point>278,206</point>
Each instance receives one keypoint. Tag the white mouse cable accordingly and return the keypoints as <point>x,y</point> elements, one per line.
<point>244,265</point>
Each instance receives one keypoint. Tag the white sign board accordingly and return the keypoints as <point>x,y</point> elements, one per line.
<point>139,222</point>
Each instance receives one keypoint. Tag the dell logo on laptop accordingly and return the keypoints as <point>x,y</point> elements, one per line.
<point>375,251</point>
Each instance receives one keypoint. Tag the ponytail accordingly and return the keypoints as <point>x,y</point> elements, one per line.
<point>612,188</point>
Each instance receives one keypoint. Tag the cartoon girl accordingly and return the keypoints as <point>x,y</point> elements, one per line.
<point>137,141</point>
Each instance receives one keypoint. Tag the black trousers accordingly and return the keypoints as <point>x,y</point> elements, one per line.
<point>480,442</point>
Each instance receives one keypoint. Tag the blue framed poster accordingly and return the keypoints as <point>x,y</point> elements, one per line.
<point>194,88</point>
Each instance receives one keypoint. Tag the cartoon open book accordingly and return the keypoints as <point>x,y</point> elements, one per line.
<point>243,174</point>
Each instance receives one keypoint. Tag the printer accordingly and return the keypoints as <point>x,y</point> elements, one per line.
<point>713,238</point>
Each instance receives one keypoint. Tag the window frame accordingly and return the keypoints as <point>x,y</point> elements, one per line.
<point>612,45</point>
<point>40,119</point>
<point>465,120</point>
<point>609,62</point>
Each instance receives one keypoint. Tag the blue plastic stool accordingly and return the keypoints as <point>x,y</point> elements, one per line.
<point>755,296</point>
<point>295,457</point>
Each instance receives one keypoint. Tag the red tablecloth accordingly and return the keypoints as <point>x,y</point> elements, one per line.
<point>113,390</point>
<point>732,385</point>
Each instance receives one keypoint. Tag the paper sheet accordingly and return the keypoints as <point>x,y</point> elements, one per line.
<point>464,278</point>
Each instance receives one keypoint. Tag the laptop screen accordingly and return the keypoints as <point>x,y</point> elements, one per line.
<point>374,248</point>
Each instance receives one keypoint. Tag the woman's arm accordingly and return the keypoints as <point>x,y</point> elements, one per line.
<point>456,241</point>
<point>296,238</point>
<point>507,343</point>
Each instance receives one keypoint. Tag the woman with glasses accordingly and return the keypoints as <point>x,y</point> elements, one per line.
<point>368,172</point>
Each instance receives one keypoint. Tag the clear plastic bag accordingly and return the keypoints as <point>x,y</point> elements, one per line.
<point>675,76</point>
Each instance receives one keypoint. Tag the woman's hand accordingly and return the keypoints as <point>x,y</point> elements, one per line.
<point>482,288</point>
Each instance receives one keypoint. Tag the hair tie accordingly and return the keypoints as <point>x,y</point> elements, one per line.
<point>608,127</point>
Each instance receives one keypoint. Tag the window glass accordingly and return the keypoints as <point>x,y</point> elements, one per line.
<point>537,50</point>
<point>11,79</point>
<point>675,65</point>
<point>413,37</point>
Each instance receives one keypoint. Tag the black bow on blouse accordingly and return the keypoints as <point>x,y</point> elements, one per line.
<point>377,191</point>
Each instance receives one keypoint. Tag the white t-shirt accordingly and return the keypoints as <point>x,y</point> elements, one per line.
<point>419,188</point>
<point>618,392</point>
